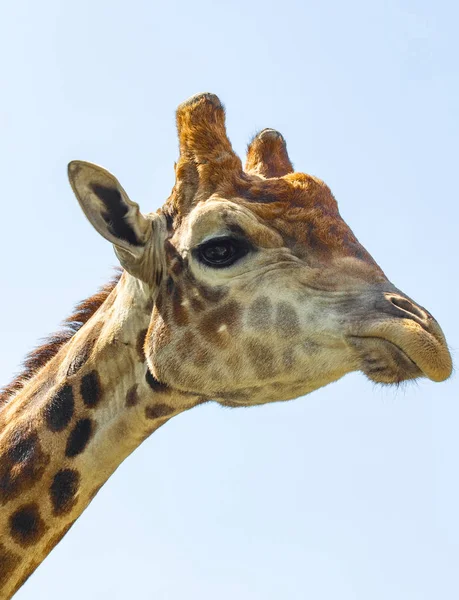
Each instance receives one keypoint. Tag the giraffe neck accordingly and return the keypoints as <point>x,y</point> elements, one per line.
<point>70,427</point>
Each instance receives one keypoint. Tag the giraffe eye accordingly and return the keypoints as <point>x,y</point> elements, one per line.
<point>222,252</point>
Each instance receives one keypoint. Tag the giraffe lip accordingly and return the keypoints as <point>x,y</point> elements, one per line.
<point>422,346</point>
<point>383,361</point>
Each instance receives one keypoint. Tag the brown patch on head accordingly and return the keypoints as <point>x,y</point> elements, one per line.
<point>303,210</point>
<point>196,304</point>
<point>287,321</point>
<point>26,525</point>
<point>141,344</point>
<point>91,389</point>
<point>158,411</point>
<point>63,490</point>
<point>203,294</point>
<point>262,359</point>
<point>200,355</point>
<point>219,324</point>
<point>260,313</point>
<point>179,309</point>
<point>8,563</point>
<point>177,265</point>
<point>190,349</point>
<point>22,465</point>
<point>132,396</point>
<point>185,345</point>
<point>212,294</point>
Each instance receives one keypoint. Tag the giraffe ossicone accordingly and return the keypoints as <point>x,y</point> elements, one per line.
<point>246,287</point>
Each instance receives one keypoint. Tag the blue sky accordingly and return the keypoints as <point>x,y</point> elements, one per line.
<point>348,493</point>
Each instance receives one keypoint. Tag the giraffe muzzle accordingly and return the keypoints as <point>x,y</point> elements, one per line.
<point>401,340</point>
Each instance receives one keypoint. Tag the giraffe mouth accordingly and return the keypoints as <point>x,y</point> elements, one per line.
<point>400,340</point>
<point>383,361</point>
<point>400,349</point>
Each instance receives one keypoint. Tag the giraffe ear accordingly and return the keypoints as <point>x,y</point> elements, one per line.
<point>108,207</point>
<point>118,219</point>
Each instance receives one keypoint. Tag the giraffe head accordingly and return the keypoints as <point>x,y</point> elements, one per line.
<point>259,290</point>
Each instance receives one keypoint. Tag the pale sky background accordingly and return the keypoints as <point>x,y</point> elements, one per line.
<point>350,493</point>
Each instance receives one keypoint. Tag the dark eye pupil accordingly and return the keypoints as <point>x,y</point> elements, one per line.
<point>219,253</point>
<point>222,252</point>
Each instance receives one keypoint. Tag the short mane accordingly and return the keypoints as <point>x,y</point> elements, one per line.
<point>41,355</point>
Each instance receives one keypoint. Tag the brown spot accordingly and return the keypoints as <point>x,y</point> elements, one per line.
<point>157,411</point>
<point>63,490</point>
<point>184,347</point>
<point>79,437</point>
<point>26,525</point>
<point>189,348</point>
<point>234,361</point>
<point>170,285</point>
<point>216,324</point>
<point>196,304</point>
<point>289,358</point>
<point>170,249</point>
<point>260,313</point>
<point>262,358</point>
<point>179,311</point>
<point>212,294</point>
<point>59,409</point>
<point>119,432</point>
<point>91,389</point>
<point>176,265</point>
<point>22,465</point>
<point>310,347</point>
<point>8,563</point>
<point>132,397</point>
<point>287,322</point>
<point>141,344</point>
<point>199,355</point>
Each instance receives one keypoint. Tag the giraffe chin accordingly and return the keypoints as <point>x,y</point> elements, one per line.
<point>384,362</point>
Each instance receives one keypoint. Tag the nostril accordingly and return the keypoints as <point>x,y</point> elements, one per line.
<point>407,306</point>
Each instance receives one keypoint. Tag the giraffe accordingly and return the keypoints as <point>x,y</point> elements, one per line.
<point>246,287</point>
